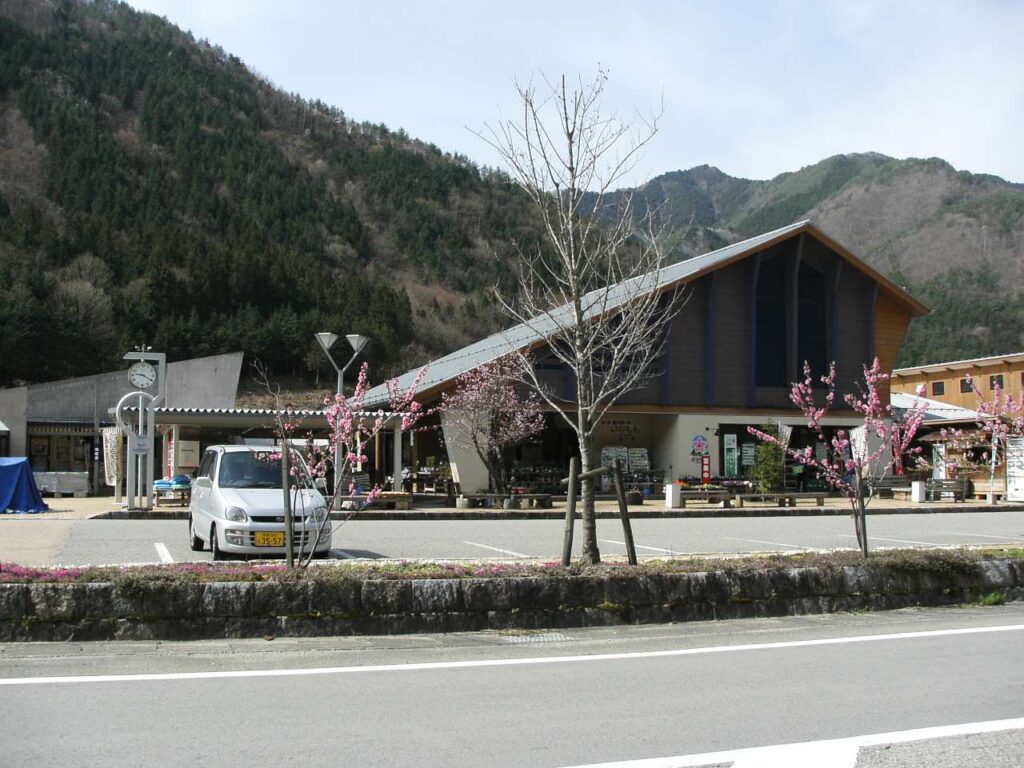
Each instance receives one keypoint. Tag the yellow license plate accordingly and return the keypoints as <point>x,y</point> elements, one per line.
<point>268,538</point>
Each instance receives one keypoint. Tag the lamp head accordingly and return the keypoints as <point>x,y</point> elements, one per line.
<point>357,341</point>
<point>326,340</point>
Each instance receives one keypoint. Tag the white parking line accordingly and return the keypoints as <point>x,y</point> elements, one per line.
<point>772,543</point>
<point>515,661</point>
<point>163,553</point>
<point>496,549</point>
<point>898,541</point>
<point>835,753</point>
<point>640,546</point>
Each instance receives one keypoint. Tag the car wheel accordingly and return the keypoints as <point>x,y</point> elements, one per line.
<point>214,546</point>
<point>194,542</point>
<point>322,555</point>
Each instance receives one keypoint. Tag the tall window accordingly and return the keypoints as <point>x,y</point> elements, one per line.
<point>811,335</point>
<point>771,369</point>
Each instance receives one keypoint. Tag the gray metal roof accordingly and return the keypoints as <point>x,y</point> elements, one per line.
<point>959,365</point>
<point>936,412</point>
<point>524,335</point>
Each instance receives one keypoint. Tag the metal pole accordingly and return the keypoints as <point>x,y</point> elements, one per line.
<point>288,525</point>
<point>570,514</point>
<point>337,443</point>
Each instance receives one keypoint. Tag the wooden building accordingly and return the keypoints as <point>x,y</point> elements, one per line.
<point>948,383</point>
<point>754,312</point>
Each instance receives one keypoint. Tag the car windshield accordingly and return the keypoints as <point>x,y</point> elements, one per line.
<point>250,469</point>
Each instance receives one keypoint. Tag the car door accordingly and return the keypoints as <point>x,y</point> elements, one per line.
<point>202,489</point>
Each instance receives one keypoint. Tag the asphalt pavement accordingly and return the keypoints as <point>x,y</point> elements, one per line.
<point>937,687</point>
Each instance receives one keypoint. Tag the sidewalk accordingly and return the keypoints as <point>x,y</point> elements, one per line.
<point>107,508</point>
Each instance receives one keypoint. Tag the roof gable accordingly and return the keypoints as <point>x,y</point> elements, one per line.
<point>451,366</point>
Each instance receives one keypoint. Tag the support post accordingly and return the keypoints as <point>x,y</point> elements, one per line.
<point>396,458</point>
<point>570,514</point>
<point>289,528</point>
<point>620,494</point>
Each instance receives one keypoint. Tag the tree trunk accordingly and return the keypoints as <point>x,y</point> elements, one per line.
<point>588,522</point>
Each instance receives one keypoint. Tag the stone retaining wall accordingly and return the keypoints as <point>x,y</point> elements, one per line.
<point>161,609</point>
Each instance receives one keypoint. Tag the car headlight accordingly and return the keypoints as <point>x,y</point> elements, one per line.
<point>319,514</point>
<point>236,515</point>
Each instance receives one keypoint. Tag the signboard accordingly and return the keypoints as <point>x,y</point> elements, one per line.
<point>731,456</point>
<point>705,469</point>
<point>639,461</point>
<point>749,454</point>
<point>188,453</point>
<point>1015,469</point>
<point>612,452</point>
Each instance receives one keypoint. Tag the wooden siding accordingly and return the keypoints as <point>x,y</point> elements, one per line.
<point>891,321</point>
<point>981,372</point>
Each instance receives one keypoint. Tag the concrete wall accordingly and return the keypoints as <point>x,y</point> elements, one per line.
<point>12,414</point>
<point>204,382</point>
<point>467,468</point>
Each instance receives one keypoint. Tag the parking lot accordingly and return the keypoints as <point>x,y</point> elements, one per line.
<point>69,538</point>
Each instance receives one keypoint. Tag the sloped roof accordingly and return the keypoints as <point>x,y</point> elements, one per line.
<point>961,365</point>
<point>451,366</point>
<point>936,412</point>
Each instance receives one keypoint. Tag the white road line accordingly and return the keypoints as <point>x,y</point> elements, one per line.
<point>516,662</point>
<point>835,753</point>
<point>496,549</point>
<point>772,543</point>
<point>163,552</point>
<point>992,536</point>
<point>898,541</point>
<point>641,546</point>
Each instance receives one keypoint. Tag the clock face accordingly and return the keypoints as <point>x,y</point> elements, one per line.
<point>141,375</point>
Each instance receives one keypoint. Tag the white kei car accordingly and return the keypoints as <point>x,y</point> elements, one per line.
<point>238,506</point>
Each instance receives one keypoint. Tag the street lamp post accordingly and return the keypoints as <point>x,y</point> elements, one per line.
<point>357,343</point>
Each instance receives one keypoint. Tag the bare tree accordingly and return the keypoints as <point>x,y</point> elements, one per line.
<point>592,289</point>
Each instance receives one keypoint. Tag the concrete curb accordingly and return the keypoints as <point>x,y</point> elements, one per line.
<point>637,513</point>
<point>164,609</point>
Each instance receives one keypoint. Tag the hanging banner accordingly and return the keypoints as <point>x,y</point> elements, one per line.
<point>111,437</point>
<point>732,468</point>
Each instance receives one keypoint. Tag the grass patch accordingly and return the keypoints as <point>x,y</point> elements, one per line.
<point>992,598</point>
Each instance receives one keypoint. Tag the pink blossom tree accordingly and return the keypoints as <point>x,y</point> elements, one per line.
<point>487,411</point>
<point>850,460</point>
<point>350,430</point>
<point>1000,417</point>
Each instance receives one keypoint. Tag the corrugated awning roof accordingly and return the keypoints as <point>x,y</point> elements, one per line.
<point>450,367</point>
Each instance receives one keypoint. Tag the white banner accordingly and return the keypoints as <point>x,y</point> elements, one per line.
<point>111,437</point>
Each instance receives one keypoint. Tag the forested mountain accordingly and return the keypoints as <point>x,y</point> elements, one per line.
<point>954,239</point>
<point>154,190</point>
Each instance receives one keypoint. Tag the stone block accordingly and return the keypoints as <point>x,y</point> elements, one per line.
<point>13,601</point>
<point>226,599</point>
<point>275,598</point>
<point>336,597</point>
<point>488,594</point>
<point>385,596</point>
<point>57,602</point>
<point>436,595</point>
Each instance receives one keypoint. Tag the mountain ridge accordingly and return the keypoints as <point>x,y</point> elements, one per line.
<point>153,189</point>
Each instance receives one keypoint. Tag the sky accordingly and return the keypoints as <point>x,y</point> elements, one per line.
<point>755,88</point>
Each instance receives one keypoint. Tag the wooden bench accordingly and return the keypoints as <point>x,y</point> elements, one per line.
<point>936,489</point>
<point>782,499</point>
<point>505,501</point>
<point>888,486</point>
<point>707,496</point>
<point>387,500</point>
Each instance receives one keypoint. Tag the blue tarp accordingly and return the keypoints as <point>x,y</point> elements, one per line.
<point>18,492</point>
